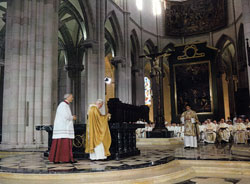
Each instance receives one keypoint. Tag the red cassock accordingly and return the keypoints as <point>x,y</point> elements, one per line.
<point>61,150</point>
<point>63,134</point>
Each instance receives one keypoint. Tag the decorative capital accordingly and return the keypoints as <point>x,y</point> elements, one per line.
<point>74,70</point>
<point>118,59</point>
<point>135,70</point>
<point>88,43</point>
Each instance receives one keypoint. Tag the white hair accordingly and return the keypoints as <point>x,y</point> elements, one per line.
<point>99,101</point>
<point>67,95</point>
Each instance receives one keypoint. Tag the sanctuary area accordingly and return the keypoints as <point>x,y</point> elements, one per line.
<point>124,91</point>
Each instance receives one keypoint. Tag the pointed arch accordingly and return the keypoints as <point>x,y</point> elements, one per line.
<point>226,72</point>
<point>136,75</point>
<point>223,45</point>
<point>113,26</point>
<point>220,43</point>
<point>149,46</point>
<point>168,47</point>
<point>135,48</point>
<point>89,18</point>
<point>135,39</point>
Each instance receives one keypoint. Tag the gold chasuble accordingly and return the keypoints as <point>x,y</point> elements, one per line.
<point>97,131</point>
<point>190,127</point>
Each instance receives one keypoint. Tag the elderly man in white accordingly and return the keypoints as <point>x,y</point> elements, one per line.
<point>63,133</point>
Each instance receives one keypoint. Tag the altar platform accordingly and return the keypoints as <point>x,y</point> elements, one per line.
<point>160,161</point>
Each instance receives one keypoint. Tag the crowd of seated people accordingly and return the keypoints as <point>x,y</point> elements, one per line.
<point>222,131</point>
<point>236,131</point>
<point>142,132</point>
<point>178,129</point>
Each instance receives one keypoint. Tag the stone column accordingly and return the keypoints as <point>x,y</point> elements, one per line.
<point>94,63</point>
<point>246,21</point>
<point>121,78</point>
<point>100,32</point>
<point>140,89</point>
<point>74,74</point>
<point>128,76</point>
<point>30,88</point>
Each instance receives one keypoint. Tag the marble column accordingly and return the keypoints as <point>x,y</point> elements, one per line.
<point>30,88</point>
<point>246,21</point>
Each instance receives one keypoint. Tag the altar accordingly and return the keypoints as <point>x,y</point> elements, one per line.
<point>122,127</point>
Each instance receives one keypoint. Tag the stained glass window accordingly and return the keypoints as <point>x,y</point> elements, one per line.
<point>147,86</point>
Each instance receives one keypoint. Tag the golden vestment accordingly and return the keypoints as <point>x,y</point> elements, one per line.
<point>97,131</point>
<point>189,127</point>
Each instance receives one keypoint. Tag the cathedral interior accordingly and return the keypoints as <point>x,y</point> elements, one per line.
<point>152,57</point>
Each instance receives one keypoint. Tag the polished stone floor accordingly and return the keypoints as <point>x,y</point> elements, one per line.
<point>33,161</point>
<point>212,152</point>
<point>210,180</point>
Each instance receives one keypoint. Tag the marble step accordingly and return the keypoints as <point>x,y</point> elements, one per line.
<point>173,172</point>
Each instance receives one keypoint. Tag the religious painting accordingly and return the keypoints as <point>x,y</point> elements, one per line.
<point>193,87</point>
<point>194,16</point>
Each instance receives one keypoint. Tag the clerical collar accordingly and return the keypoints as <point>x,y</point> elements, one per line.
<point>92,105</point>
<point>66,102</point>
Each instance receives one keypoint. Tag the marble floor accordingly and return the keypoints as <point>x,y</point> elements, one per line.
<point>33,161</point>
<point>211,180</point>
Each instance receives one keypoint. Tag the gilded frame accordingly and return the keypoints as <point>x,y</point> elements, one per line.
<point>209,85</point>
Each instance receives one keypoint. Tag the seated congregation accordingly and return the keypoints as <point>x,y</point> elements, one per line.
<point>210,131</point>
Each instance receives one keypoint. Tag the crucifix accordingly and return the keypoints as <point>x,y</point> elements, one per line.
<point>157,74</point>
